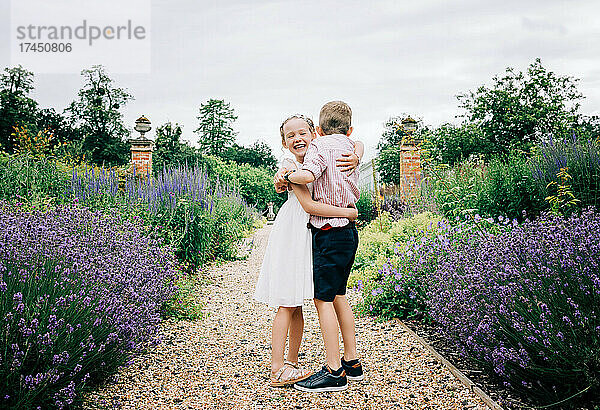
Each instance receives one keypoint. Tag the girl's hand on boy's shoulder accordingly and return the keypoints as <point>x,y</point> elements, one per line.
<point>348,163</point>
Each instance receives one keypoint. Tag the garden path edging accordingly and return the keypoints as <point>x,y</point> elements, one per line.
<point>459,375</point>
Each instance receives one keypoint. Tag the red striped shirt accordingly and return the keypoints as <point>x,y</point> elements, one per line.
<point>331,186</point>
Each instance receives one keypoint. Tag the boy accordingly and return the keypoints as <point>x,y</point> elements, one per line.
<point>335,241</point>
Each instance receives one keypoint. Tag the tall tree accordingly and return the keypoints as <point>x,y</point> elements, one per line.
<point>520,109</point>
<point>169,149</point>
<point>215,131</point>
<point>16,107</point>
<point>61,127</point>
<point>96,111</point>
<point>259,154</point>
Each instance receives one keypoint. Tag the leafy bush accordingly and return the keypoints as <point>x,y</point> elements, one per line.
<point>254,184</point>
<point>455,190</point>
<point>525,301</point>
<point>509,189</point>
<point>451,144</point>
<point>378,240</point>
<point>508,186</point>
<point>79,293</point>
<point>25,178</point>
<point>366,207</point>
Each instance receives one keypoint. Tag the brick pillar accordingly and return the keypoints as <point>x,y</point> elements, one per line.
<point>410,167</point>
<point>141,155</point>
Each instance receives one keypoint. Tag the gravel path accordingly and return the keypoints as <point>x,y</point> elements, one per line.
<point>223,360</point>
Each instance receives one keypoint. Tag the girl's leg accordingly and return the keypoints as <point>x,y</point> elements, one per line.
<point>281,324</point>
<point>296,330</point>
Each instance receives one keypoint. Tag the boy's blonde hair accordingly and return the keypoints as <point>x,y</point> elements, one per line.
<point>309,122</point>
<point>335,118</point>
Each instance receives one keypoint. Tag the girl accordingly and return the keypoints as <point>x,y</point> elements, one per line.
<point>285,278</point>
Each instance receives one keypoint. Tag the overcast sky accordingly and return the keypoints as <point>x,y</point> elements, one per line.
<point>273,58</point>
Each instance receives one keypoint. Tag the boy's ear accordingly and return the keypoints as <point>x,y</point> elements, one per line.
<point>320,131</point>
<point>349,131</point>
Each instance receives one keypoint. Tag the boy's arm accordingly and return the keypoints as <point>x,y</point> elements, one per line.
<point>349,162</point>
<point>312,168</point>
<point>281,185</point>
<point>302,177</point>
<point>313,207</point>
<point>359,149</point>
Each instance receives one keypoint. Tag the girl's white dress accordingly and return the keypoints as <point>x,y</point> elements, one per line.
<point>286,277</point>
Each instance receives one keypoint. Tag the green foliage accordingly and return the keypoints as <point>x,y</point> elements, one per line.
<point>394,136</point>
<point>509,189</point>
<point>185,305</point>
<point>455,190</point>
<point>258,154</point>
<point>16,107</point>
<point>377,242</point>
<point>513,184</point>
<point>382,249</point>
<point>170,149</point>
<point>564,202</point>
<point>582,158</point>
<point>215,132</point>
<point>388,165</point>
<point>366,206</point>
<point>255,184</point>
<point>62,129</point>
<point>450,144</point>
<point>96,112</point>
<point>25,179</point>
<point>519,109</point>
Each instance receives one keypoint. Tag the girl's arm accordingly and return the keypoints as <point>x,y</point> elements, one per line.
<point>313,207</point>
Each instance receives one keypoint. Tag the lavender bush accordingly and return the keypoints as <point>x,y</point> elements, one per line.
<point>526,302</point>
<point>583,162</point>
<point>80,292</point>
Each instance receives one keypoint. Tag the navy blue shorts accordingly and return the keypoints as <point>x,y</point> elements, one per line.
<point>333,255</point>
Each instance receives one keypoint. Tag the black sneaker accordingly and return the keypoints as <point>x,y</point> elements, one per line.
<point>323,381</point>
<point>353,369</point>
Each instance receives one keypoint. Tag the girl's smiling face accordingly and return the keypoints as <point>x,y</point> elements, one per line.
<point>297,136</point>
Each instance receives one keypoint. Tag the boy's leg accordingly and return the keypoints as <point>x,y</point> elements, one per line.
<point>281,324</point>
<point>330,331</point>
<point>345,317</point>
<point>296,330</point>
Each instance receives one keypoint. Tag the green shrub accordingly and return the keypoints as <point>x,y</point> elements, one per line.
<point>254,184</point>
<point>27,179</point>
<point>509,189</point>
<point>366,206</point>
<point>379,240</point>
<point>507,186</point>
<point>455,190</point>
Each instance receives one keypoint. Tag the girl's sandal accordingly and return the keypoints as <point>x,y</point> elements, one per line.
<point>288,375</point>
<point>295,365</point>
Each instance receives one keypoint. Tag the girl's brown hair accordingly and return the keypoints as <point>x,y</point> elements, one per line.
<point>311,125</point>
